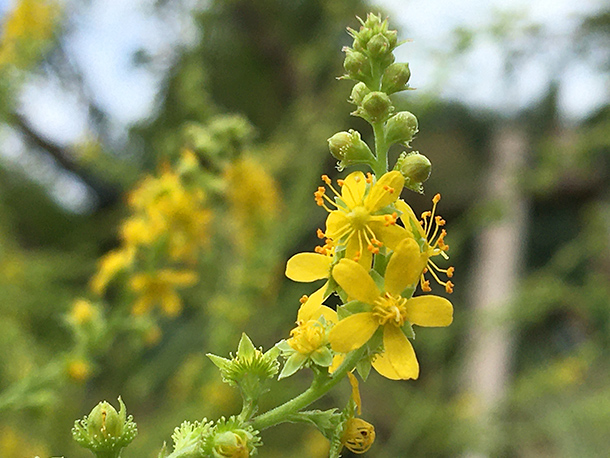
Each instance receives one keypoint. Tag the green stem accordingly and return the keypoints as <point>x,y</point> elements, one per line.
<point>318,388</point>
<point>381,150</point>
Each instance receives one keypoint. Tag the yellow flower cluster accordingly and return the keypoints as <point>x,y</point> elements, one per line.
<point>367,219</point>
<point>26,29</point>
<point>169,222</point>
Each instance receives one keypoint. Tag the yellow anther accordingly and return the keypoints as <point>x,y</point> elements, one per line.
<point>320,233</point>
<point>436,198</point>
<point>450,271</point>
<point>369,177</point>
<point>449,287</point>
<point>326,180</point>
<point>340,182</point>
<point>439,221</point>
<point>389,189</point>
<point>425,286</point>
<point>303,298</point>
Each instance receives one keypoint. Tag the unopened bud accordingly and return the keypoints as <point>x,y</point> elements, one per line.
<point>105,430</point>
<point>376,106</point>
<point>349,148</point>
<point>359,92</point>
<point>395,78</point>
<point>355,63</point>
<point>401,128</point>
<point>378,45</point>
<point>415,168</point>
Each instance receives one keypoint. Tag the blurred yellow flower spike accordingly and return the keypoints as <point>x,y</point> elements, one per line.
<point>389,310</point>
<point>361,220</point>
<point>109,266</point>
<point>79,370</point>
<point>25,30</point>
<point>253,197</point>
<point>83,311</point>
<point>431,241</point>
<point>160,288</point>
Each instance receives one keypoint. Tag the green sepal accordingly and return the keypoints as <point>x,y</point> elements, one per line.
<point>407,329</point>
<point>295,362</point>
<point>325,420</point>
<point>378,279</point>
<point>364,368</point>
<point>322,357</point>
<point>351,308</point>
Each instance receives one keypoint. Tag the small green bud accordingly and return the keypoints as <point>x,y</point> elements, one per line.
<point>395,78</point>
<point>349,148</point>
<point>249,368</point>
<point>355,63</point>
<point>359,92</point>
<point>378,45</point>
<point>230,439</point>
<point>415,168</point>
<point>401,128</point>
<point>105,430</point>
<point>376,106</point>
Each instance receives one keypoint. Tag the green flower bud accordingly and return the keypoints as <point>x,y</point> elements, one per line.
<point>415,168</point>
<point>249,368</point>
<point>395,78</point>
<point>401,128</point>
<point>376,106</point>
<point>230,439</point>
<point>378,45</point>
<point>105,430</point>
<point>359,92</point>
<point>355,64</point>
<point>349,148</point>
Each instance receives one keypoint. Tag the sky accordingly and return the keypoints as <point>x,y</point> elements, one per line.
<point>105,35</point>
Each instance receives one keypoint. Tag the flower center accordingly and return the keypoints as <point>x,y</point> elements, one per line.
<point>307,337</point>
<point>390,309</point>
<point>359,217</point>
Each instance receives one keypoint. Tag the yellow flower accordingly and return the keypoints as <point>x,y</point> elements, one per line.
<point>361,220</point>
<point>310,335</point>
<point>110,265</point>
<point>309,340</point>
<point>160,288</point>
<point>389,310</point>
<point>431,242</point>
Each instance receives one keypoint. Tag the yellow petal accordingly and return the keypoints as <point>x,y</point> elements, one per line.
<point>432,311</point>
<point>356,250</point>
<point>385,191</point>
<point>398,360</point>
<point>352,332</point>
<point>307,267</point>
<point>337,360</point>
<point>313,303</point>
<point>356,281</point>
<point>390,235</point>
<point>353,189</point>
<point>405,266</point>
<point>337,224</point>
<point>408,214</point>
